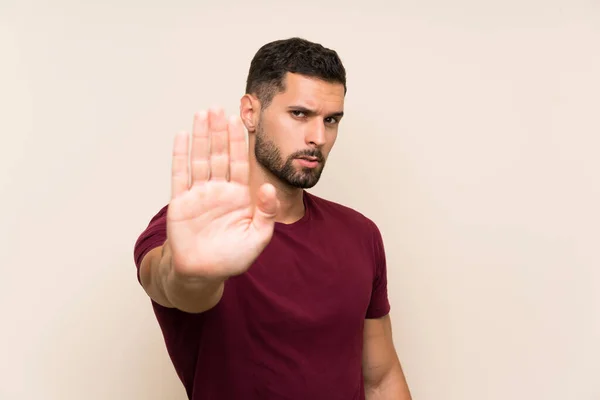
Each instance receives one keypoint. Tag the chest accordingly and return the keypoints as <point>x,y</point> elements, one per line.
<point>301,286</point>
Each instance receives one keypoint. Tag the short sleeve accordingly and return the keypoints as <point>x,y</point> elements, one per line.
<point>379,305</point>
<point>154,235</point>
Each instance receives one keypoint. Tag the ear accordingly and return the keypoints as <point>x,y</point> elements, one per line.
<point>249,112</point>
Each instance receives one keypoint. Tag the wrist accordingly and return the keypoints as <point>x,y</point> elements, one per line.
<point>192,293</point>
<point>177,283</point>
<point>183,280</point>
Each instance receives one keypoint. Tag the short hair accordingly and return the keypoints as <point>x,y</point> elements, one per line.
<point>274,60</point>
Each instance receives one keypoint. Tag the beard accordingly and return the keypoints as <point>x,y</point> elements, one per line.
<point>269,156</point>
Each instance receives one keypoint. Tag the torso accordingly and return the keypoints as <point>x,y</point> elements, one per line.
<point>291,327</point>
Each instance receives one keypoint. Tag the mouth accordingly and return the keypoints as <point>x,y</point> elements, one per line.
<point>309,162</point>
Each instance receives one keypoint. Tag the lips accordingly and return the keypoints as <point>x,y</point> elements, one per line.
<point>308,162</point>
<point>309,158</point>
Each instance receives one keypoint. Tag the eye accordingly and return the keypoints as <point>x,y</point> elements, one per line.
<point>331,120</point>
<point>298,113</point>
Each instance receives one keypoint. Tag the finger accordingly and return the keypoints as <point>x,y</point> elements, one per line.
<point>238,152</point>
<point>265,211</point>
<point>179,168</point>
<point>219,144</point>
<point>200,149</point>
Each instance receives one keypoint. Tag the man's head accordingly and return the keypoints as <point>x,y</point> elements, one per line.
<point>293,104</point>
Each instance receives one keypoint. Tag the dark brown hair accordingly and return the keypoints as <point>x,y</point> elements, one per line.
<point>296,55</point>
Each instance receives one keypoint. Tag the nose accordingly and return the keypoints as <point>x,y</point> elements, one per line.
<point>316,135</point>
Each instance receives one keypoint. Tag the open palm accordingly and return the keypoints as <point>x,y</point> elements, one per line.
<point>213,227</point>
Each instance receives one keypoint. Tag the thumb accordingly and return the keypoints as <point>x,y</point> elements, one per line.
<point>266,209</point>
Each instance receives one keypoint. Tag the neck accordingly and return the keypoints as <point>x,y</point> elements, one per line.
<point>290,198</point>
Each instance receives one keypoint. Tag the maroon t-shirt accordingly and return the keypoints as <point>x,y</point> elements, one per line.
<point>291,327</point>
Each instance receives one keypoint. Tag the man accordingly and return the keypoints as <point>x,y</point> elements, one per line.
<point>262,290</point>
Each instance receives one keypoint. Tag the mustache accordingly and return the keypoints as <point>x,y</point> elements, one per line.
<point>309,153</point>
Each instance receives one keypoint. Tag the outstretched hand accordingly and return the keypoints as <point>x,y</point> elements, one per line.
<point>213,228</point>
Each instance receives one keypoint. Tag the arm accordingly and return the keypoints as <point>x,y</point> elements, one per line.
<point>382,372</point>
<point>213,229</point>
<point>168,289</point>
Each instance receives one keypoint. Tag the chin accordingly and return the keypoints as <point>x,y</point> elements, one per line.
<point>304,183</point>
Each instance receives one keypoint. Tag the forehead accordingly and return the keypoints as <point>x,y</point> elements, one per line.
<point>311,92</point>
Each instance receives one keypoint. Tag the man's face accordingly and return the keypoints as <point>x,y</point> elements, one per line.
<point>296,132</point>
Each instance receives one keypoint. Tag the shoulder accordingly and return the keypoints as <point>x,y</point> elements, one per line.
<point>152,235</point>
<point>359,231</point>
<point>160,216</point>
<point>341,214</point>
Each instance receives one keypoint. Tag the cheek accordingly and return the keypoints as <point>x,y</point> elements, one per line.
<point>331,140</point>
<point>283,133</point>
<point>290,133</point>
<point>283,129</point>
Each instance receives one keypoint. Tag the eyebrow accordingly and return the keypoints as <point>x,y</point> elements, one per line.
<point>308,111</point>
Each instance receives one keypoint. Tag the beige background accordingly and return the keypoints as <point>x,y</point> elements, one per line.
<point>471,138</point>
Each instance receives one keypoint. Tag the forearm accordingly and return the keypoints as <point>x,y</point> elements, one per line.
<point>166,287</point>
<point>392,386</point>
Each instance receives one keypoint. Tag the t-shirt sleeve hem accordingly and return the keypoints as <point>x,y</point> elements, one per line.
<point>150,245</point>
<point>153,236</point>
<point>378,312</point>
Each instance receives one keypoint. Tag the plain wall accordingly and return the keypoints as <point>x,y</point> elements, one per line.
<point>471,138</point>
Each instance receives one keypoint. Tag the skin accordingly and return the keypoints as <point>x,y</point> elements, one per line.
<point>303,120</point>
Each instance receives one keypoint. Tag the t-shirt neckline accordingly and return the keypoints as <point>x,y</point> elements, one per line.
<point>305,218</point>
